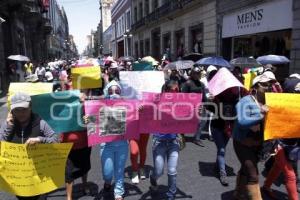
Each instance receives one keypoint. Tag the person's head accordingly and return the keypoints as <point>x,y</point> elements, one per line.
<point>171,86</point>
<point>195,73</point>
<point>113,90</point>
<point>21,107</point>
<point>210,72</point>
<point>260,85</point>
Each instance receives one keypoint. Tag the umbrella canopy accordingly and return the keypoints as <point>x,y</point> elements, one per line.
<point>150,59</point>
<point>181,64</point>
<point>216,61</point>
<point>18,58</point>
<point>273,60</point>
<point>193,56</point>
<point>126,58</point>
<point>245,62</point>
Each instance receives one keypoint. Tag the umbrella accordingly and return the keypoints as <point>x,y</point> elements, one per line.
<point>217,61</point>
<point>193,56</point>
<point>181,64</point>
<point>18,58</point>
<point>150,59</point>
<point>273,60</point>
<point>245,62</point>
<point>126,58</point>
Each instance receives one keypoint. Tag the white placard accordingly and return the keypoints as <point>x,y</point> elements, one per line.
<point>133,83</point>
<point>271,16</point>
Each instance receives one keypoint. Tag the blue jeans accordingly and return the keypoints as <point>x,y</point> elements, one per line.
<point>166,149</point>
<point>201,124</point>
<point>113,159</point>
<point>221,141</point>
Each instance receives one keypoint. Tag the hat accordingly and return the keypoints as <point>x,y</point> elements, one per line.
<point>20,100</point>
<point>49,76</point>
<point>263,78</point>
<point>211,68</point>
<point>114,65</point>
<point>295,76</point>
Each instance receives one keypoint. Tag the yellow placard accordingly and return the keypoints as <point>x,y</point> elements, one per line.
<point>283,117</point>
<point>32,170</point>
<point>29,88</point>
<point>248,78</point>
<point>86,77</point>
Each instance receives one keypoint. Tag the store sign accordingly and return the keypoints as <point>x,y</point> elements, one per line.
<point>272,16</point>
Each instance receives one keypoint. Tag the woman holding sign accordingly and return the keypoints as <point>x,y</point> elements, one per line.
<point>24,127</point>
<point>114,154</point>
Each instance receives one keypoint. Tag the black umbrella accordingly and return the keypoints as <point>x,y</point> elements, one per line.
<point>193,56</point>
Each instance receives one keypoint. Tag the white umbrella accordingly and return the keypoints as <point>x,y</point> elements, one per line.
<point>181,64</point>
<point>18,58</point>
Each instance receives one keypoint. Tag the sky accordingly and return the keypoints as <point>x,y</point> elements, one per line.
<point>83,16</point>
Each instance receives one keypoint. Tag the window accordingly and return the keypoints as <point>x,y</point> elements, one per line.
<point>141,10</point>
<point>135,14</point>
<point>196,39</point>
<point>146,7</point>
<point>142,48</point>
<point>155,4</point>
<point>128,21</point>
<point>147,46</point>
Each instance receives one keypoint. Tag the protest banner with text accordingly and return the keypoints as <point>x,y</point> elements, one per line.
<point>170,113</point>
<point>86,77</point>
<point>283,117</point>
<point>32,170</point>
<point>112,120</point>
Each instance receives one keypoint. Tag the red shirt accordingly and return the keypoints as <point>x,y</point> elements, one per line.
<point>79,139</point>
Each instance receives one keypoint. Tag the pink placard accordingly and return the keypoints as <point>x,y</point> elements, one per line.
<point>222,81</point>
<point>112,120</point>
<point>170,113</point>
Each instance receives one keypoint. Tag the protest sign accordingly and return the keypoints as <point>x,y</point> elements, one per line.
<point>111,120</point>
<point>142,66</point>
<point>170,113</point>
<point>248,78</point>
<point>61,110</point>
<point>283,117</point>
<point>29,88</point>
<point>222,81</point>
<point>32,170</point>
<point>134,83</point>
<point>86,77</point>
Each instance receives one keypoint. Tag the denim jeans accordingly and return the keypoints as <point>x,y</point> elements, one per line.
<point>201,124</point>
<point>113,159</point>
<point>221,141</point>
<point>166,149</point>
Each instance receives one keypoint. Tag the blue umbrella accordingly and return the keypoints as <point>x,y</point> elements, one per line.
<point>217,61</point>
<point>273,60</point>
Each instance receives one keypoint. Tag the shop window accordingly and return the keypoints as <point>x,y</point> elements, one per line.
<point>167,44</point>
<point>146,7</point>
<point>136,48</point>
<point>156,43</point>
<point>155,4</point>
<point>135,14</point>
<point>141,10</point>
<point>142,48</point>
<point>147,47</point>
<point>196,39</point>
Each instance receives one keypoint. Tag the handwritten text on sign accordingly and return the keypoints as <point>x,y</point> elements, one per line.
<point>32,170</point>
<point>170,113</point>
<point>283,117</point>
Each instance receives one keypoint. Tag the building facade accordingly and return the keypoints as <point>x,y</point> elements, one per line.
<point>256,28</point>
<point>174,28</point>
<point>121,22</point>
<point>107,41</point>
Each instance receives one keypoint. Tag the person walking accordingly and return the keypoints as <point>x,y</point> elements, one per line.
<point>22,126</point>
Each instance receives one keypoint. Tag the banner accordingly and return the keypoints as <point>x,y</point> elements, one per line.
<point>112,120</point>
<point>29,88</point>
<point>142,66</point>
<point>170,113</point>
<point>61,110</point>
<point>283,117</point>
<point>32,170</point>
<point>248,78</point>
<point>222,81</point>
<point>86,77</point>
<point>134,83</point>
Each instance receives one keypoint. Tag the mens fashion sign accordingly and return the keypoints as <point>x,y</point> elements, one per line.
<point>271,16</point>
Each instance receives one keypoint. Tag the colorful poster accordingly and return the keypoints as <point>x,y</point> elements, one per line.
<point>61,110</point>
<point>112,120</point>
<point>222,81</point>
<point>170,113</point>
<point>283,117</point>
<point>248,78</point>
<point>29,88</point>
<point>32,170</point>
<point>86,77</point>
<point>134,83</point>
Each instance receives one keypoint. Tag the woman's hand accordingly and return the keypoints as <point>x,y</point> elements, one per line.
<point>86,119</point>
<point>264,109</point>
<point>32,141</point>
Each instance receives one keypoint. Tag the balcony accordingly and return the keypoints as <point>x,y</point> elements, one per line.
<point>170,6</point>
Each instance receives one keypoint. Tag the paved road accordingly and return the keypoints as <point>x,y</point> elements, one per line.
<point>196,179</point>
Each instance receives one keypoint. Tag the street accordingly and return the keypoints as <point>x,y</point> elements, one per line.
<point>196,177</point>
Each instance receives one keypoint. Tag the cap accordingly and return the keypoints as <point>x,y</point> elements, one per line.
<point>20,100</point>
<point>295,76</point>
<point>211,68</point>
<point>263,78</point>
